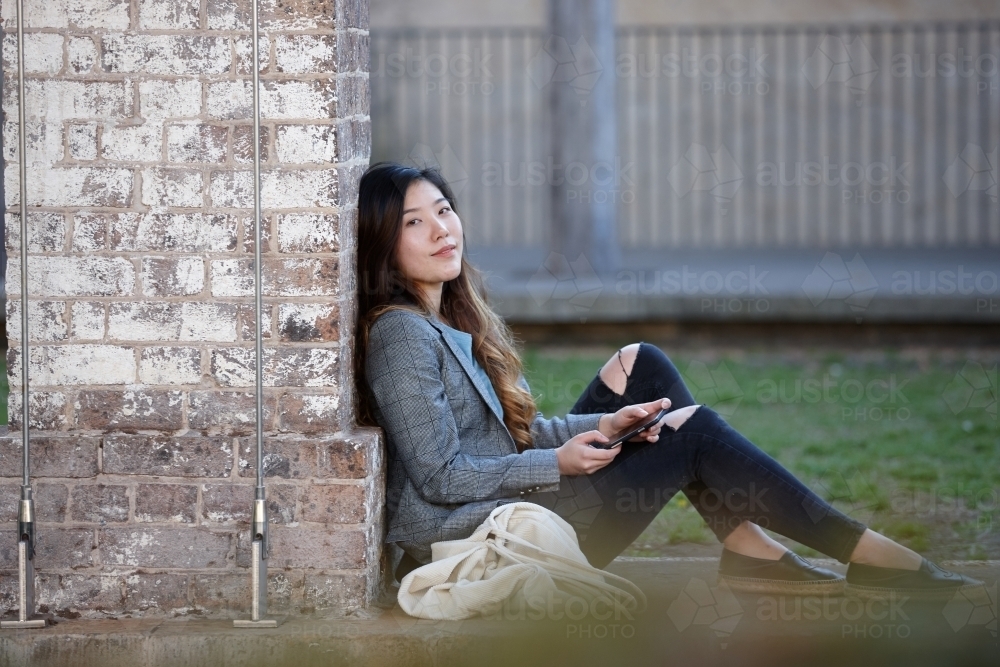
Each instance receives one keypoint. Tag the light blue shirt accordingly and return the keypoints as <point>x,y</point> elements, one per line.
<point>464,341</point>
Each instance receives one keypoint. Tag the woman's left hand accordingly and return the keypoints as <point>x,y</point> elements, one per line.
<point>634,414</point>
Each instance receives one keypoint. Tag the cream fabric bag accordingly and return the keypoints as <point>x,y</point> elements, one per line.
<point>522,555</point>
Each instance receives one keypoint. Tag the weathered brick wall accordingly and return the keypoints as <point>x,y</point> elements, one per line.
<point>141,313</point>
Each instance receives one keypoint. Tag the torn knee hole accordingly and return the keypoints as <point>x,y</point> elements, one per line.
<point>674,420</point>
<point>623,359</point>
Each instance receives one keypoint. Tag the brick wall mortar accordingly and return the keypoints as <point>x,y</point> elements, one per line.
<point>102,567</point>
<point>140,321</point>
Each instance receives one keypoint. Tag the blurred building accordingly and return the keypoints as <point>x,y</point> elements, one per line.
<point>793,160</point>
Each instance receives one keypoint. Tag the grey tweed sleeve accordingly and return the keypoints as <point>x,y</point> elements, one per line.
<point>404,373</point>
<point>552,433</point>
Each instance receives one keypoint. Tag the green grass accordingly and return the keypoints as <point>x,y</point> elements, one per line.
<point>920,464</point>
<point>924,471</point>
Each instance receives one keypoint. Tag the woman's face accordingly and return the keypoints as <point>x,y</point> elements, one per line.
<point>429,251</point>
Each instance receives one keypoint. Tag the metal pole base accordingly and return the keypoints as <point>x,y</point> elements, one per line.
<point>26,591</point>
<point>247,623</point>
<point>34,623</point>
<point>258,592</point>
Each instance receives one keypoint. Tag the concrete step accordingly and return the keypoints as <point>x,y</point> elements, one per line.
<point>872,285</point>
<point>688,618</point>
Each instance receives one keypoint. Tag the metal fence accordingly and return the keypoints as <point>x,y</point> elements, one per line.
<point>881,136</point>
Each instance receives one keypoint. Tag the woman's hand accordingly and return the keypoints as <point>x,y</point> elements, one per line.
<point>633,414</point>
<point>577,457</point>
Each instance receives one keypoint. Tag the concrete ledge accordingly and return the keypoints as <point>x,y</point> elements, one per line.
<point>681,623</point>
<point>869,285</point>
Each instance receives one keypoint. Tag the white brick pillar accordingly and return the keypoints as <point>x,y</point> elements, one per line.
<point>141,312</point>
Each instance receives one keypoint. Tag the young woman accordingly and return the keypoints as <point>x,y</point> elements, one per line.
<point>437,369</point>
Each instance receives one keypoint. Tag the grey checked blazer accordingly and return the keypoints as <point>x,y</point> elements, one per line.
<point>451,459</point>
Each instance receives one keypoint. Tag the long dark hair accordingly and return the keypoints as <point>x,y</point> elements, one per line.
<point>464,303</point>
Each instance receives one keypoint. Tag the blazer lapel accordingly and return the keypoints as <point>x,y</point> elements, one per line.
<point>466,365</point>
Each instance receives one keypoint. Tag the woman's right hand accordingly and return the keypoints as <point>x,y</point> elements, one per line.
<point>577,457</point>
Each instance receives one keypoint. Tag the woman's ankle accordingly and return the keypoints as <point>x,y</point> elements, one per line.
<point>879,551</point>
<point>749,540</point>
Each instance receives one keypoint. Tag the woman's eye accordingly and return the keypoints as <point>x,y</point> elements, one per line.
<point>410,222</point>
<point>446,208</point>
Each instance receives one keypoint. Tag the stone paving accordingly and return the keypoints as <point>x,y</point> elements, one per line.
<point>688,618</point>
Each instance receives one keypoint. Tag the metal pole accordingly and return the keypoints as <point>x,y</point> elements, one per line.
<point>584,130</point>
<point>258,521</point>
<point>26,508</point>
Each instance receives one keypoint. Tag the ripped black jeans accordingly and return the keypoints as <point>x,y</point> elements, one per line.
<point>725,476</point>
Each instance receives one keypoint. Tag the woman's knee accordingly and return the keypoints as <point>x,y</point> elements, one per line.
<point>655,376</point>
<point>658,369</point>
<point>616,371</point>
<point>654,356</point>
<point>676,418</point>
